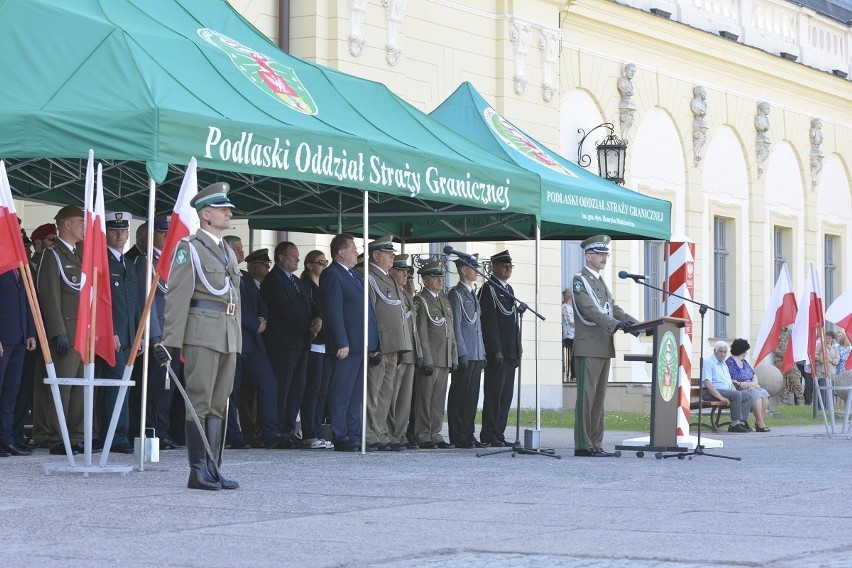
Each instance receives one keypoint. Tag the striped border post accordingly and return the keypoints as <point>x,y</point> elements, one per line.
<point>680,263</point>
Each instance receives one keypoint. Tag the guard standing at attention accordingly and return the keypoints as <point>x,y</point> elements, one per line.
<point>203,322</point>
<point>596,319</point>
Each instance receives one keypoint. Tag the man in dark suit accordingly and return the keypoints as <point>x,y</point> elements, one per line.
<point>343,305</point>
<point>501,335</point>
<point>292,323</point>
<point>253,362</point>
<point>126,314</point>
<point>17,336</point>
<point>58,285</point>
<point>596,318</point>
<point>159,398</point>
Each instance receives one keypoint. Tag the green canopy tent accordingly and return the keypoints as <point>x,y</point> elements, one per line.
<point>149,83</point>
<point>575,203</point>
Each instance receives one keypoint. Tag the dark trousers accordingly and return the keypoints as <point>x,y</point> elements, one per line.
<point>11,364</point>
<point>290,367</point>
<point>110,399</point>
<point>255,368</point>
<point>345,395</point>
<point>498,388</point>
<point>316,388</point>
<point>24,402</point>
<point>462,402</point>
<point>177,411</point>
<point>809,383</point>
<point>158,399</point>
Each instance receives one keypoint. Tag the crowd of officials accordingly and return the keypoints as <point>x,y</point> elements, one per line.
<point>294,364</point>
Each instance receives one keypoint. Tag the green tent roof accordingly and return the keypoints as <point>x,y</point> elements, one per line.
<point>574,202</point>
<point>148,84</point>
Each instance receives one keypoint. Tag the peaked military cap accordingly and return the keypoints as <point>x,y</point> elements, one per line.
<point>471,262</point>
<point>214,195</point>
<point>501,258</point>
<point>434,268</point>
<point>117,220</point>
<point>401,261</point>
<point>598,243</point>
<point>161,223</point>
<point>260,255</point>
<point>43,231</point>
<point>382,243</point>
<point>68,212</point>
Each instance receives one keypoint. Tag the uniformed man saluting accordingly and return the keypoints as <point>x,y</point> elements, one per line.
<point>203,322</point>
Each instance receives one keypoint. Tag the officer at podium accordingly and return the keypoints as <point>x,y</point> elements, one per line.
<point>596,319</point>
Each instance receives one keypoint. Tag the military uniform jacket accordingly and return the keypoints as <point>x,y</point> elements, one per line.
<point>202,327</point>
<point>410,317</point>
<point>386,297</point>
<point>158,307</point>
<point>500,331</point>
<point>595,317</point>
<point>58,285</point>
<point>435,329</point>
<point>125,299</point>
<point>467,322</point>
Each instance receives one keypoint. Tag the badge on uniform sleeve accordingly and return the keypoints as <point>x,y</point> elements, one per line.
<point>578,286</point>
<point>181,257</point>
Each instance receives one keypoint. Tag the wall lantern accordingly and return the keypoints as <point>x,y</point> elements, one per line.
<point>612,154</point>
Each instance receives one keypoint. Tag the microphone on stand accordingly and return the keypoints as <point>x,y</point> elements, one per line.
<point>635,277</point>
<point>450,250</point>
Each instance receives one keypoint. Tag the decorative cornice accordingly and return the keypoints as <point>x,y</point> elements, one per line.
<point>521,32</point>
<point>394,10</point>
<point>357,9</point>
<point>549,44</point>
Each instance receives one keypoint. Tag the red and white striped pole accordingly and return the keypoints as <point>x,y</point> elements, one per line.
<point>680,280</point>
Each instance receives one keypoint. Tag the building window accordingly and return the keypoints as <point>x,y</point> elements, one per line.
<point>721,273</point>
<point>655,272</point>
<point>830,271</point>
<point>778,245</point>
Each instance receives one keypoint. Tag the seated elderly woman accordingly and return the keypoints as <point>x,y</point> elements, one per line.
<point>718,385</point>
<point>745,379</point>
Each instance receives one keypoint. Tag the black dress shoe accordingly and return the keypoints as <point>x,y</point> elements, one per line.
<point>397,447</point>
<point>122,448</point>
<point>345,447</point>
<point>59,450</point>
<point>600,453</point>
<point>427,446</point>
<point>582,453</point>
<point>477,444</point>
<point>412,446</point>
<point>238,445</point>
<point>495,444</point>
<point>384,448</point>
<point>509,444</point>
<point>167,444</point>
<point>4,454</point>
<point>445,446</point>
<point>15,450</point>
<point>464,445</point>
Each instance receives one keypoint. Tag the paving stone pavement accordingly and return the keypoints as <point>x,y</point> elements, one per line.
<point>788,503</point>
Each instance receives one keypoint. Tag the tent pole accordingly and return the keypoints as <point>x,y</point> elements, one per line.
<point>340,212</point>
<point>140,456</point>
<point>537,324</point>
<point>366,321</point>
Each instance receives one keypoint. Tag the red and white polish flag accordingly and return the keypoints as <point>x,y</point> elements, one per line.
<point>840,313</point>
<point>780,312</point>
<point>809,320</point>
<point>184,221</point>
<point>12,249</point>
<point>95,256</point>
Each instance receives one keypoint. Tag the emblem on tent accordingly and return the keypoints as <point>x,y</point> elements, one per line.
<point>271,77</point>
<point>522,144</point>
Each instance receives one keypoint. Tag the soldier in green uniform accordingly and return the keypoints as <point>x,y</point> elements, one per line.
<point>386,297</point>
<point>440,357</point>
<point>58,284</point>
<point>203,323</point>
<point>596,319</point>
<point>400,410</point>
<point>793,377</point>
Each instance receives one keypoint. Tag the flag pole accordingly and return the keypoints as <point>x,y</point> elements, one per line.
<point>35,309</point>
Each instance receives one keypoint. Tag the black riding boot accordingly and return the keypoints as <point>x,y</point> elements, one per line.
<point>199,476</point>
<point>213,425</point>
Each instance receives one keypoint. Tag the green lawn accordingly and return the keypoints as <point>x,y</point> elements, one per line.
<point>788,416</point>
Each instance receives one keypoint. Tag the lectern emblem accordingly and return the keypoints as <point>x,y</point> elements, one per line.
<point>668,363</point>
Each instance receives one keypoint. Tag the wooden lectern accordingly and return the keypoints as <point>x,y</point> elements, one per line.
<point>665,370</point>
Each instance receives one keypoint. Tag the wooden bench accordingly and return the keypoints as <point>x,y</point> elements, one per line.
<point>716,406</point>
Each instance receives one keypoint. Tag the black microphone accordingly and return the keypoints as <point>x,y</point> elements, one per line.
<point>636,277</point>
<point>450,250</point>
